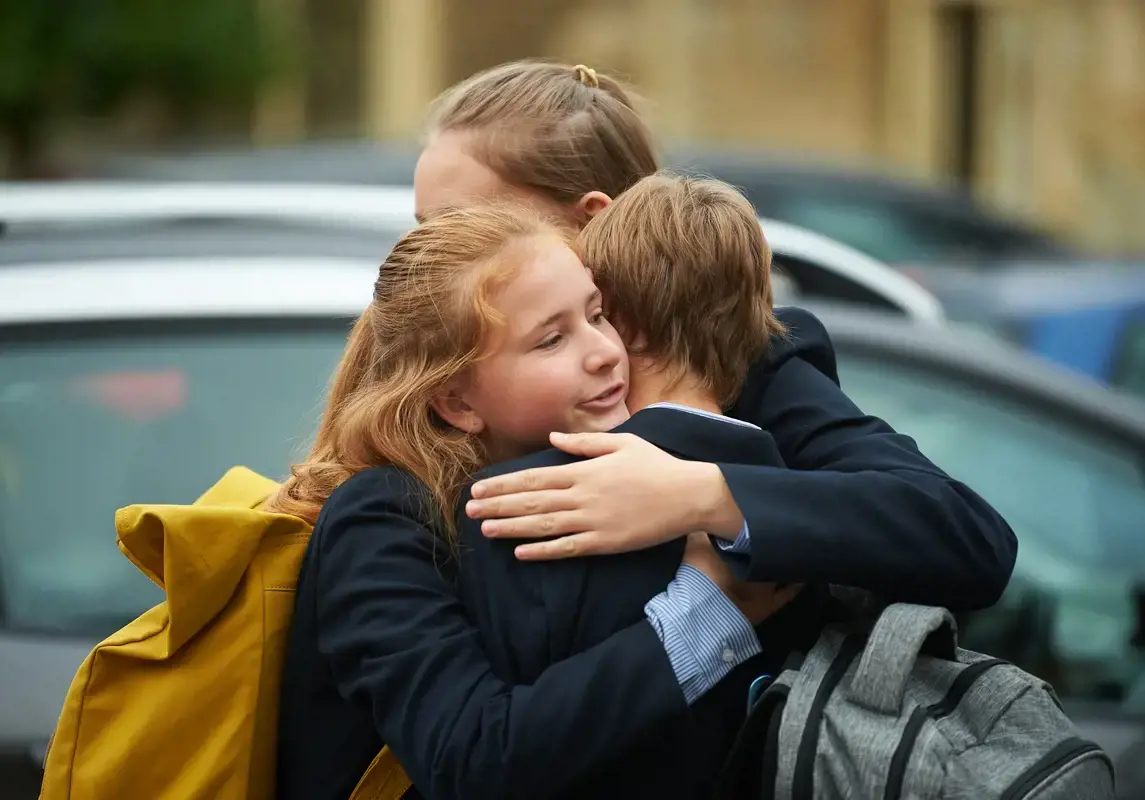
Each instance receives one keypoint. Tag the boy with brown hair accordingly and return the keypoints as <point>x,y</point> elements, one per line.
<point>685,273</point>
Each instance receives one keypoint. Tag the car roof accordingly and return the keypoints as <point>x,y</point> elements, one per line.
<point>205,239</point>
<point>54,212</point>
<point>241,286</point>
<point>974,356</point>
<point>84,203</point>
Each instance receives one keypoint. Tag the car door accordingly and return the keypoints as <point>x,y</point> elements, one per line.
<point>1075,496</point>
<point>98,415</point>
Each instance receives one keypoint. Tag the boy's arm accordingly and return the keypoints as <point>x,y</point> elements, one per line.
<point>859,504</point>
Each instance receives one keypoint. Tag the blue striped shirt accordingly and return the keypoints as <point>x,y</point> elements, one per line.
<point>703,632</point>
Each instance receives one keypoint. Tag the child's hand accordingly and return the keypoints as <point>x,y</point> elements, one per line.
<point>627,495</point>
<point>756,601</point>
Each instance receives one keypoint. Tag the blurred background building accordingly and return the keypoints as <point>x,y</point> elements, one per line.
<point>1038,105</point>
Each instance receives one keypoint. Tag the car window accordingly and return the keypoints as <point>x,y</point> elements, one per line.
<point>801,278</point>
<point>1076,502</point>
<point>93,421</point>
<point>868,229</point>
<point>893,233</point>
<point>1129,372</point>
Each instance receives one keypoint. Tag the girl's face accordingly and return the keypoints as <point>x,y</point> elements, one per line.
<point>556,364</point>
<point>447,176</point>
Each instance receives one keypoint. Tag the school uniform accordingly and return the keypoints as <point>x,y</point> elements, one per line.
<point>381,648</point>
<point>534,614</point>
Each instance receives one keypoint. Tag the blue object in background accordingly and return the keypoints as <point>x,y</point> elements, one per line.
<point>1086,340</point>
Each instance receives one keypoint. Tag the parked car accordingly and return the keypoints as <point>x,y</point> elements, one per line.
<point>894,220</point>
<point>1063,459</point>
<point>136,380</point>
<point>806,264</point>
<point>1089,316</point>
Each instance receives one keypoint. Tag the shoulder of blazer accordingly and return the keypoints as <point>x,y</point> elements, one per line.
<point>806,339</point>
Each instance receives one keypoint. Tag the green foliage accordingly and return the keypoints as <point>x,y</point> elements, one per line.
<point>65,57</point>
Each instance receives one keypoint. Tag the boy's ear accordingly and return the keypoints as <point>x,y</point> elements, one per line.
<point>591,204</point>
<point>634,339</point>
<point>450,405</point>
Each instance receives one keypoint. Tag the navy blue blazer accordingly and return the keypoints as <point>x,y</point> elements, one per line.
<point>381,648</point>
<point>859,505</point>
<point>532,615</point>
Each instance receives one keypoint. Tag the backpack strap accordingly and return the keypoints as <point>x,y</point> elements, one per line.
<point>901,634</point>
<point>385,779</point>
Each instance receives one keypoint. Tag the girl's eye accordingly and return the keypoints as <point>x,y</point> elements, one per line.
<point>599,317</point>
<point>551,341</point>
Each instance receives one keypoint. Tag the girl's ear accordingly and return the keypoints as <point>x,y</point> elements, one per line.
<point>591,204</point>
<point>450,405</point>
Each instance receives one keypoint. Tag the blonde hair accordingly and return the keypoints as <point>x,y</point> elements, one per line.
<point>559,130</point>
<point>685,271</point>
<point>429,320</point>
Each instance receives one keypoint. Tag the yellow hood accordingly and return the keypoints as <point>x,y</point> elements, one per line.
<point>199,553</point>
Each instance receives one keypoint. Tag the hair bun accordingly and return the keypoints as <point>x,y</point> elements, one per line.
<point>587,76</point>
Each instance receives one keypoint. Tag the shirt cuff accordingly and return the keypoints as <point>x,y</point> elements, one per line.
<point>704,633</point>
<point>741,545</point>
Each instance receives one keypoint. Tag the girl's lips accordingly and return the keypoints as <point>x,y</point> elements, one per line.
<point>607,399</point>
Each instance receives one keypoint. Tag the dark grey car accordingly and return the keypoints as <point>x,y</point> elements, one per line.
<point>1063,459</point>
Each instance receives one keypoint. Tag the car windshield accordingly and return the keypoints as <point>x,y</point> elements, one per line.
<point>1076,502</point>
<point>896,232</point>
<point>97,417</point>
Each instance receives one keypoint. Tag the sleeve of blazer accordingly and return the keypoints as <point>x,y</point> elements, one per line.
<point>400,648</point>
<point>859,504</point>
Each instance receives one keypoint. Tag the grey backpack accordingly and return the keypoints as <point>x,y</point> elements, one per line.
<point>903,712</point>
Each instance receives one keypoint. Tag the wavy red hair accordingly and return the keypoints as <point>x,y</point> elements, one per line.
<point>428,322</point>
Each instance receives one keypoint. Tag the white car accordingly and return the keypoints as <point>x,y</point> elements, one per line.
<point>807,264</point>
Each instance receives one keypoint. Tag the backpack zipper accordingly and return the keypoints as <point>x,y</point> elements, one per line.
<point>1066,751</point>
<point>943,708</point>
